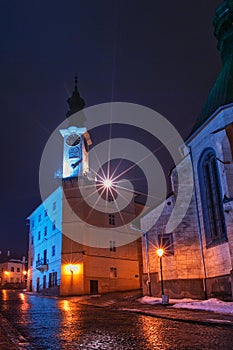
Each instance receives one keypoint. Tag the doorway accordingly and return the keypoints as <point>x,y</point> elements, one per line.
<point>94,287</point>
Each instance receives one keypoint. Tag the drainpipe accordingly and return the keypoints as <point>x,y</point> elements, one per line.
<point>199,227</point>
<point>145,234</point>
<point>147,264</point>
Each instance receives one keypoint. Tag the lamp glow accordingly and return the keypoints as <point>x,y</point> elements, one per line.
<point>73,268</point>
<point>160,252</point>
<point>107,183</point>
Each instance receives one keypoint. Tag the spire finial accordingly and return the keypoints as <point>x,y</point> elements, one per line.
<point>76,82</point>
<point>75,102</point>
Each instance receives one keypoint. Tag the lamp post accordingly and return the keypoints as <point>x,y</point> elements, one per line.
<point>160,252</point>
<point>71,277</point>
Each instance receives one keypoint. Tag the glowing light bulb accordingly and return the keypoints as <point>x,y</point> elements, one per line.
<point>107,183</point>
<point>160,252</point>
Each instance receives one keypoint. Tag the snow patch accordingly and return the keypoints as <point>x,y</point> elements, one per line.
<point>212,304</point>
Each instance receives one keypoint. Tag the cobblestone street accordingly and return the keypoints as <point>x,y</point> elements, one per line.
<point>35,322</point>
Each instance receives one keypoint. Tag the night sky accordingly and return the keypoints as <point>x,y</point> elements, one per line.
<point>160,54</point>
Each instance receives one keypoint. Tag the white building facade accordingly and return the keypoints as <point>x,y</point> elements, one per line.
<point>45,242</point>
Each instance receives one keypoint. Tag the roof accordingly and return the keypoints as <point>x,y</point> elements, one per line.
<point>222,91</point>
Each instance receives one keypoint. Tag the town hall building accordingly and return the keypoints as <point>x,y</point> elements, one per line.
<point>62,258</point>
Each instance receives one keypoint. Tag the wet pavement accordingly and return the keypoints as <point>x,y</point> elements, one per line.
<point>43,323</point>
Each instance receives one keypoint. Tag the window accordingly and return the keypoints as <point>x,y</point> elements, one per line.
<point>211,198</point>
<point>38,257</point>
<point>112,246</point>
<point>31,261</point>
<point>45,213</point>
<point>12,269</point>
<point>32,240</point>
<point>53,250</point>
<point>165,241</point>
<point>38,235</point>
<point>52,279</point>
<point>44,281</point>
<point>54,205</point>
<point>17,280</point>
<point>45,231</point>
<point>111,219</point>
<point>12,279</point>
<point>113,272</point>
<point>18,269</point>
<point>45,261</point>
<point>39,218</point>
<point>54,225</point>
<point>74,152</point>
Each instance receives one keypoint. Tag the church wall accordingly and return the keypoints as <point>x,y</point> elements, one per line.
<point>182,267</point>
<point>183,270</point>
<point>218,258</point>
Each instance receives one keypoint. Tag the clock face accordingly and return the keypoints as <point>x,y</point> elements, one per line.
<point>73,140</point>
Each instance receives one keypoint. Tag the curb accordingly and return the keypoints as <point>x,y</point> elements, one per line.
<point>209,322</point>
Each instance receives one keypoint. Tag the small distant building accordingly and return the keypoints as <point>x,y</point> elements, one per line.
<point>63,259</point>
<point>13,273</point>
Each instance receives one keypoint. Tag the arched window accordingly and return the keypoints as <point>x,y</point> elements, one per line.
<point>211,197</point>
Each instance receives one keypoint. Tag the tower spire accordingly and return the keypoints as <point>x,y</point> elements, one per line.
<point>75,102</point>
<point>222,91</point>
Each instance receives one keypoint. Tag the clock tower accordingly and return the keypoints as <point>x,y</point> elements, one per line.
<point>76,139</point>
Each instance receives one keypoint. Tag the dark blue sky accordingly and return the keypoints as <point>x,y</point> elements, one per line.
<point>160,54</point>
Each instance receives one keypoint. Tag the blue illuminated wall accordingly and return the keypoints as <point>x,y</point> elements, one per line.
<point>45,243</point>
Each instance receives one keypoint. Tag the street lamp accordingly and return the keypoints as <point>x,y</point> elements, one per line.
<point>160,253</point>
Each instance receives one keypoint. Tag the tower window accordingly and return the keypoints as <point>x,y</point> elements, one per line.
<point>45,213</point>
<point>211,197</point>
<point>74,152</point>
<point>38,235</point>
<point>53,250</point>
<point>39,218</point>
<point>54,205</point>
<point>112,246</point>
<point>45,231</point>
<point>113,272</point>
<point>111,219</point>
<point>54,225</point>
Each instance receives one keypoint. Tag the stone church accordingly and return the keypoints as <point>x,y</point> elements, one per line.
<point>198,254</point>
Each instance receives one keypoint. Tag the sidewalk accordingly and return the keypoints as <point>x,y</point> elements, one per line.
<point>10,338</point>
<point>127,301</point>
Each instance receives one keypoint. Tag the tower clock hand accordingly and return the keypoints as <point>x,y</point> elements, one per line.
<point>74,165</point>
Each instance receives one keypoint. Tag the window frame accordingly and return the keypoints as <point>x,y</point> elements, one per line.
<point>112,219</point>
<point>113,272</point>
<point>163,238</point>
<point>211,199</point>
